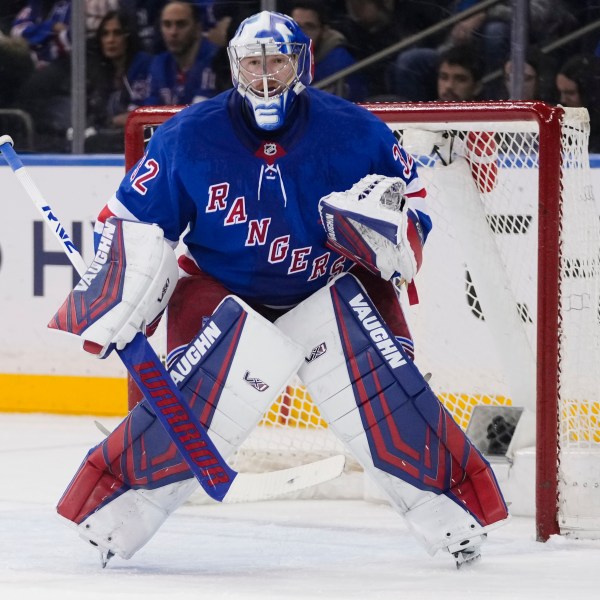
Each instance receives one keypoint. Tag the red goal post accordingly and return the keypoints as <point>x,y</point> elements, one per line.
<point>524,249</point>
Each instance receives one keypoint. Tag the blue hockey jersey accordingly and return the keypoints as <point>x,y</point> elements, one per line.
<point>247,199</point>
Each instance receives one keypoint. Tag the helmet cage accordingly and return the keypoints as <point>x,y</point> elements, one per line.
<point>255,72</point>
<point>271,63</point>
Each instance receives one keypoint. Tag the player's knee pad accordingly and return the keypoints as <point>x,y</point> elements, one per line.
<point>376,401</point>
<point>229,374</point>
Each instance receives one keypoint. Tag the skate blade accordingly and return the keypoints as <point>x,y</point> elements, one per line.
<point>467,558</point>
<point>105,556</point>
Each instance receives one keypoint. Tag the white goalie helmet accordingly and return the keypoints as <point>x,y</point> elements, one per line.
<point>271,63</point>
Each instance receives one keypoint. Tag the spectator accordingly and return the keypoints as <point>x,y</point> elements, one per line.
<point>222,19</point>
<point>453,75</point>
<point>459,74</point>
<point>46,94</point>
<point>44,25</point>
<point>330,49</point>
<point>530,81</point>
<point>119,84</point>
<point>147,18</point>
<point>16,65</point>
<point>412,74</point>
<point>183,74</point>
<point>548,20</point>
<point>578,84</point>
<point>538,77</point>
<point>490,30</point>
<point>210,13</point>
<point>227,17</point>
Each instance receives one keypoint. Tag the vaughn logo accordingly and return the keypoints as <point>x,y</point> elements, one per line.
<point>255,382</point>
<point>196,349</point>
<point>378,334</point>
<point>100,258</point>
<point>316,352</point>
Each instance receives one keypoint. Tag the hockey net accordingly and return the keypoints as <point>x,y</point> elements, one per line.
<point>509,311</point>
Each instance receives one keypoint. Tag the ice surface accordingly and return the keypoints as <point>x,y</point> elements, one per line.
<point>270,550</point>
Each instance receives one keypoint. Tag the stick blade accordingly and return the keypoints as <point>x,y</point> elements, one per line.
<point>252,487</point>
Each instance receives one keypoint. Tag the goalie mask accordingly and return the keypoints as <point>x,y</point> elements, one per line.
<point>271,63</point>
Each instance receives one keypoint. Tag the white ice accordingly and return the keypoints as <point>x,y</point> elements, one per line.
<point>271,550</point>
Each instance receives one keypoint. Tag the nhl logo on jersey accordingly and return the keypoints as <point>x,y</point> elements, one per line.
<point>270,152</point>
<point>256,383</point>
<point>270,149</point>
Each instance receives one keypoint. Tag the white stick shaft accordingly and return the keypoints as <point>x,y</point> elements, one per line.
<point>34,193</point>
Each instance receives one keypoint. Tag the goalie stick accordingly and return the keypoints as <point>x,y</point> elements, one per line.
<point>219,481</point>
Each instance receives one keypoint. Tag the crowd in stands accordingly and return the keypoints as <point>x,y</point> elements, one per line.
<point>167,52</point>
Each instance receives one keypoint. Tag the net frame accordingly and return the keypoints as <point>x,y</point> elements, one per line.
<point>546,120</point>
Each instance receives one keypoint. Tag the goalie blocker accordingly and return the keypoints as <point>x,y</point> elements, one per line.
<point>117,297</point>
<point>376,401</point>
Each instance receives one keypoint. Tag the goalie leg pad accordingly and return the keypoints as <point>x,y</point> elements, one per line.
<point>379,405</point>
<point>230,373</point>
